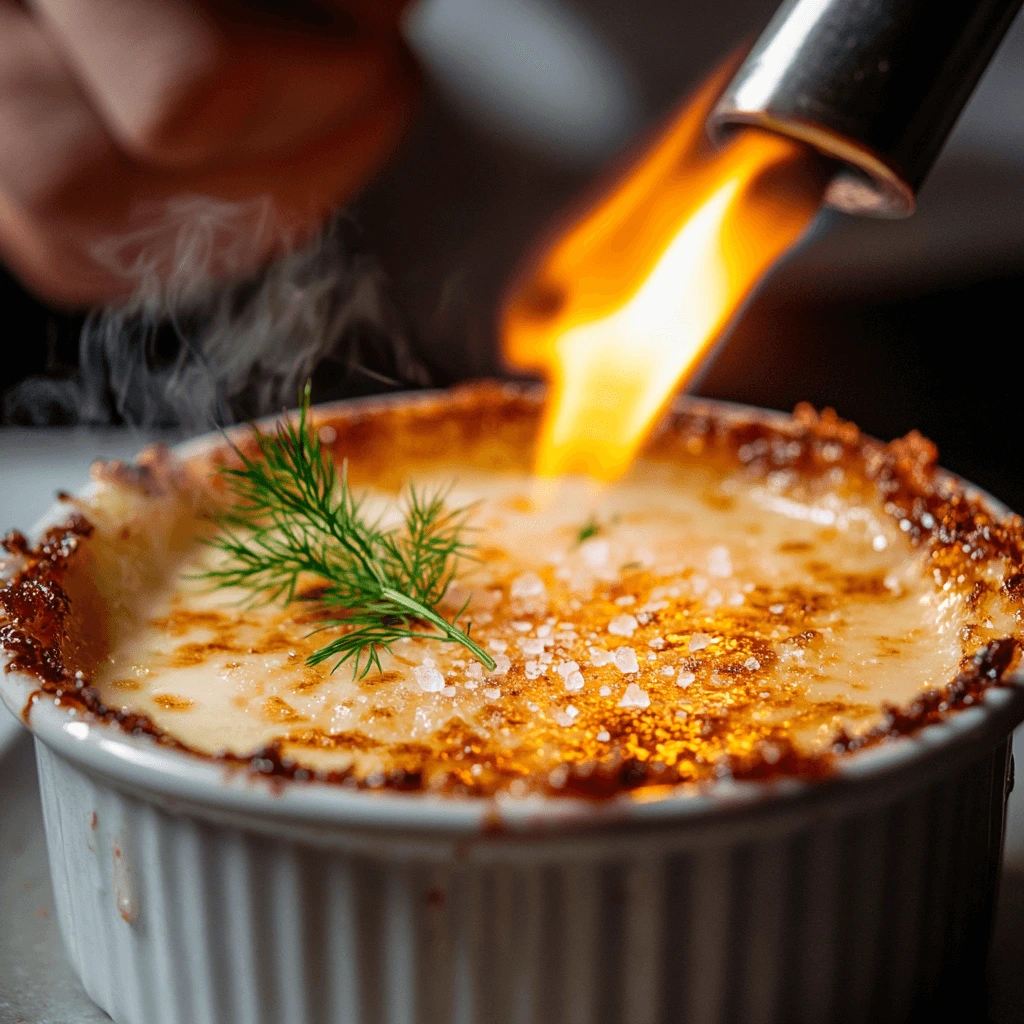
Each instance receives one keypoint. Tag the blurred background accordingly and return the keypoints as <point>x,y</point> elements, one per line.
<point>895,324</point>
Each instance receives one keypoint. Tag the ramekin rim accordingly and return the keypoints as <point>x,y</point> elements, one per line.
<point>143,764</point>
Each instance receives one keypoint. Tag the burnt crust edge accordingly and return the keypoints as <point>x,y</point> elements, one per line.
<point>932,509</point>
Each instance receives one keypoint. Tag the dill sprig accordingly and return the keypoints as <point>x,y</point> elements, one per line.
<point>293,520</point>
<point>591,528</point>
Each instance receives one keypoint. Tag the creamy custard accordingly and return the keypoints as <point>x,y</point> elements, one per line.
<point>750,599</point>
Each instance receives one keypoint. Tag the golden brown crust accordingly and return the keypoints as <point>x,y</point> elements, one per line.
<point>496,425</point>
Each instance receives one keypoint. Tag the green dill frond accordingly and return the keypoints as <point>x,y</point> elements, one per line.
<point>591,528</point>
<point>292,519</point>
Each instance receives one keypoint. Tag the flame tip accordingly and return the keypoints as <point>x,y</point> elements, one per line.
<point>621,310</point>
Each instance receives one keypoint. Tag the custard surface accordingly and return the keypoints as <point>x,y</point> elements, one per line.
<point>731,607</point>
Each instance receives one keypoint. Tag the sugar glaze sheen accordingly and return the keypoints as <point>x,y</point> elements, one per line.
<point>758,598</point>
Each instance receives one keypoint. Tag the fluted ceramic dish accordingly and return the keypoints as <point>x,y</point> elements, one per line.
<point>189,894</point>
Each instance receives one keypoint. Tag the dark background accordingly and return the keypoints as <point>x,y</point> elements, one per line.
<point>896,325</point>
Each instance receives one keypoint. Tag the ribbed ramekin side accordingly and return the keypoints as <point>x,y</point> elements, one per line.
<point>169,919</point>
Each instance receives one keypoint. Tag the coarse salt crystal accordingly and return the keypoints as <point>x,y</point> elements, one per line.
<point>752,664</point>
<point>599,658</point>
<point>605,691</point>
<point>574,681</point>
<point>667,670</point>
<point>625,660</point>
<point>635,697</point>
<point>736,600</point>
<point>544,630</point>
<point>603,736</point>
<point>492,692</point>
<point>499,646</point>
<point>528,585</point>
<point>595,552</point>
<point>776,609</point>
<point>502,663</point>
<point>567,716</point>
<point>625,600</point>
<point>430,680</point>
<point>698,642</point>
<point>714,598</point>
<point>719,562</point>
<point>449,691</point>
<point>623,625</point>
<point>522,627</point>
<point>533,645</point>
<point>533,669</point>
<point>684,678</point>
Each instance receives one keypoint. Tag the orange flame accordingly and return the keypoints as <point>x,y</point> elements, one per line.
<point>623,307</point>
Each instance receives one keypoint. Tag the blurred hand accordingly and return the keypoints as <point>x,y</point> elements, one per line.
<point>121,119</point>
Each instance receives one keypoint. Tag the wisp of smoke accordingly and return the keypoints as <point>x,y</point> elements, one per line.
<point>183,352</point>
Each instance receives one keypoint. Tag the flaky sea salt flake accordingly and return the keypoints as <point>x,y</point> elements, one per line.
<point>429,679</point>
<point>565,717</point>
<point>625,660</point>
<point>527,585</point>
<point>502,663</point>
<point>623,625</point>
<point>698,642</point>
<point>719,562</point>
<point>635,697</point>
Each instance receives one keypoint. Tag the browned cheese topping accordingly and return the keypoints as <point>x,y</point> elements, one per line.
<point>756,598</point>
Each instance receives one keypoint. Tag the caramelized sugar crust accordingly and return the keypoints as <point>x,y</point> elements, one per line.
<point>703,676</point>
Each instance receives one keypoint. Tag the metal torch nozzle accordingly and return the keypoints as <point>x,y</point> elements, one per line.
<point>874,84</point>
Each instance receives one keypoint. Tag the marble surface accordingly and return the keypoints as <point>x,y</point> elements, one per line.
<point>36,984</point>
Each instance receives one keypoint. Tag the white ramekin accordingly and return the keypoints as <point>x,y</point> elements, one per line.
<point>188,893</point>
